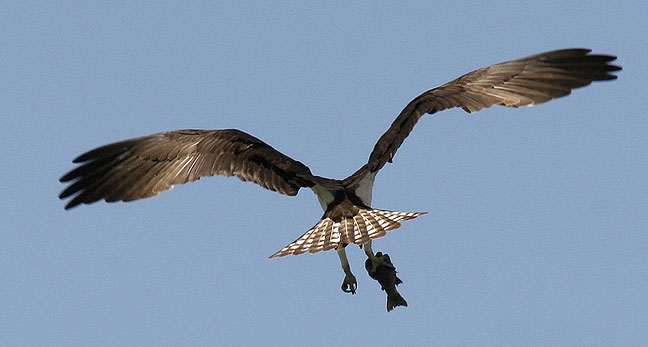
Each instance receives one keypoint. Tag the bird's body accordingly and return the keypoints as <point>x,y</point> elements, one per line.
<point>146,166</point>
<point>348,216</point>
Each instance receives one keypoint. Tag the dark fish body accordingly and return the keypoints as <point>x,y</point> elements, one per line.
<point>386,276</point>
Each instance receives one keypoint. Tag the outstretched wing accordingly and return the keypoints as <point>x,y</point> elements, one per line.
<point>522,82</point>
<point>146,166</point>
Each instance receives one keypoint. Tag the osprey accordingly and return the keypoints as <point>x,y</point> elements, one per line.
<point>146,166</point>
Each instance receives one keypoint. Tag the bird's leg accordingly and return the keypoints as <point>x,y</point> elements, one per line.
<point>349,285</point>
<point>376,260</point>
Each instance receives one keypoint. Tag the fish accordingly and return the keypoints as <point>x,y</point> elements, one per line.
<point>385,274</point>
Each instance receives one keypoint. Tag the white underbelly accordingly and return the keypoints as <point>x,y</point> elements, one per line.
<point>365,188</point>
<point>324,196</point>
<point>363,191</point>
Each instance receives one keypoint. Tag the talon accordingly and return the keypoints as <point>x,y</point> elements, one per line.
<point>378,260</point>
<point>350,284</point>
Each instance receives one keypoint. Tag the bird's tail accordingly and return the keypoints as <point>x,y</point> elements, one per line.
<point>327,234</point>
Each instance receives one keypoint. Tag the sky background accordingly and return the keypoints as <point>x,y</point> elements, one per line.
<point>537,232</point>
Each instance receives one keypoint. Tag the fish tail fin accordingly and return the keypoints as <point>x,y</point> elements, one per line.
<point>394,299</point>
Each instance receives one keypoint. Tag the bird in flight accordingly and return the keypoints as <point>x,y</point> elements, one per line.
<point>146,166</point>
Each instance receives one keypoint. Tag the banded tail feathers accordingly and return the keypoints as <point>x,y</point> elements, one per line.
<point>327,234</point>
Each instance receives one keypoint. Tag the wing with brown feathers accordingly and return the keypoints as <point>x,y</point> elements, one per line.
<point>522,82</point>
<point>146,166</point>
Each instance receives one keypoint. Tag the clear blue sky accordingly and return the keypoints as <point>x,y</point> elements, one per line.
<point>538,227</point>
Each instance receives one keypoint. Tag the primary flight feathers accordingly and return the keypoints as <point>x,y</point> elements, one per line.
<point>521,82</point>
<point>146,166</point>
